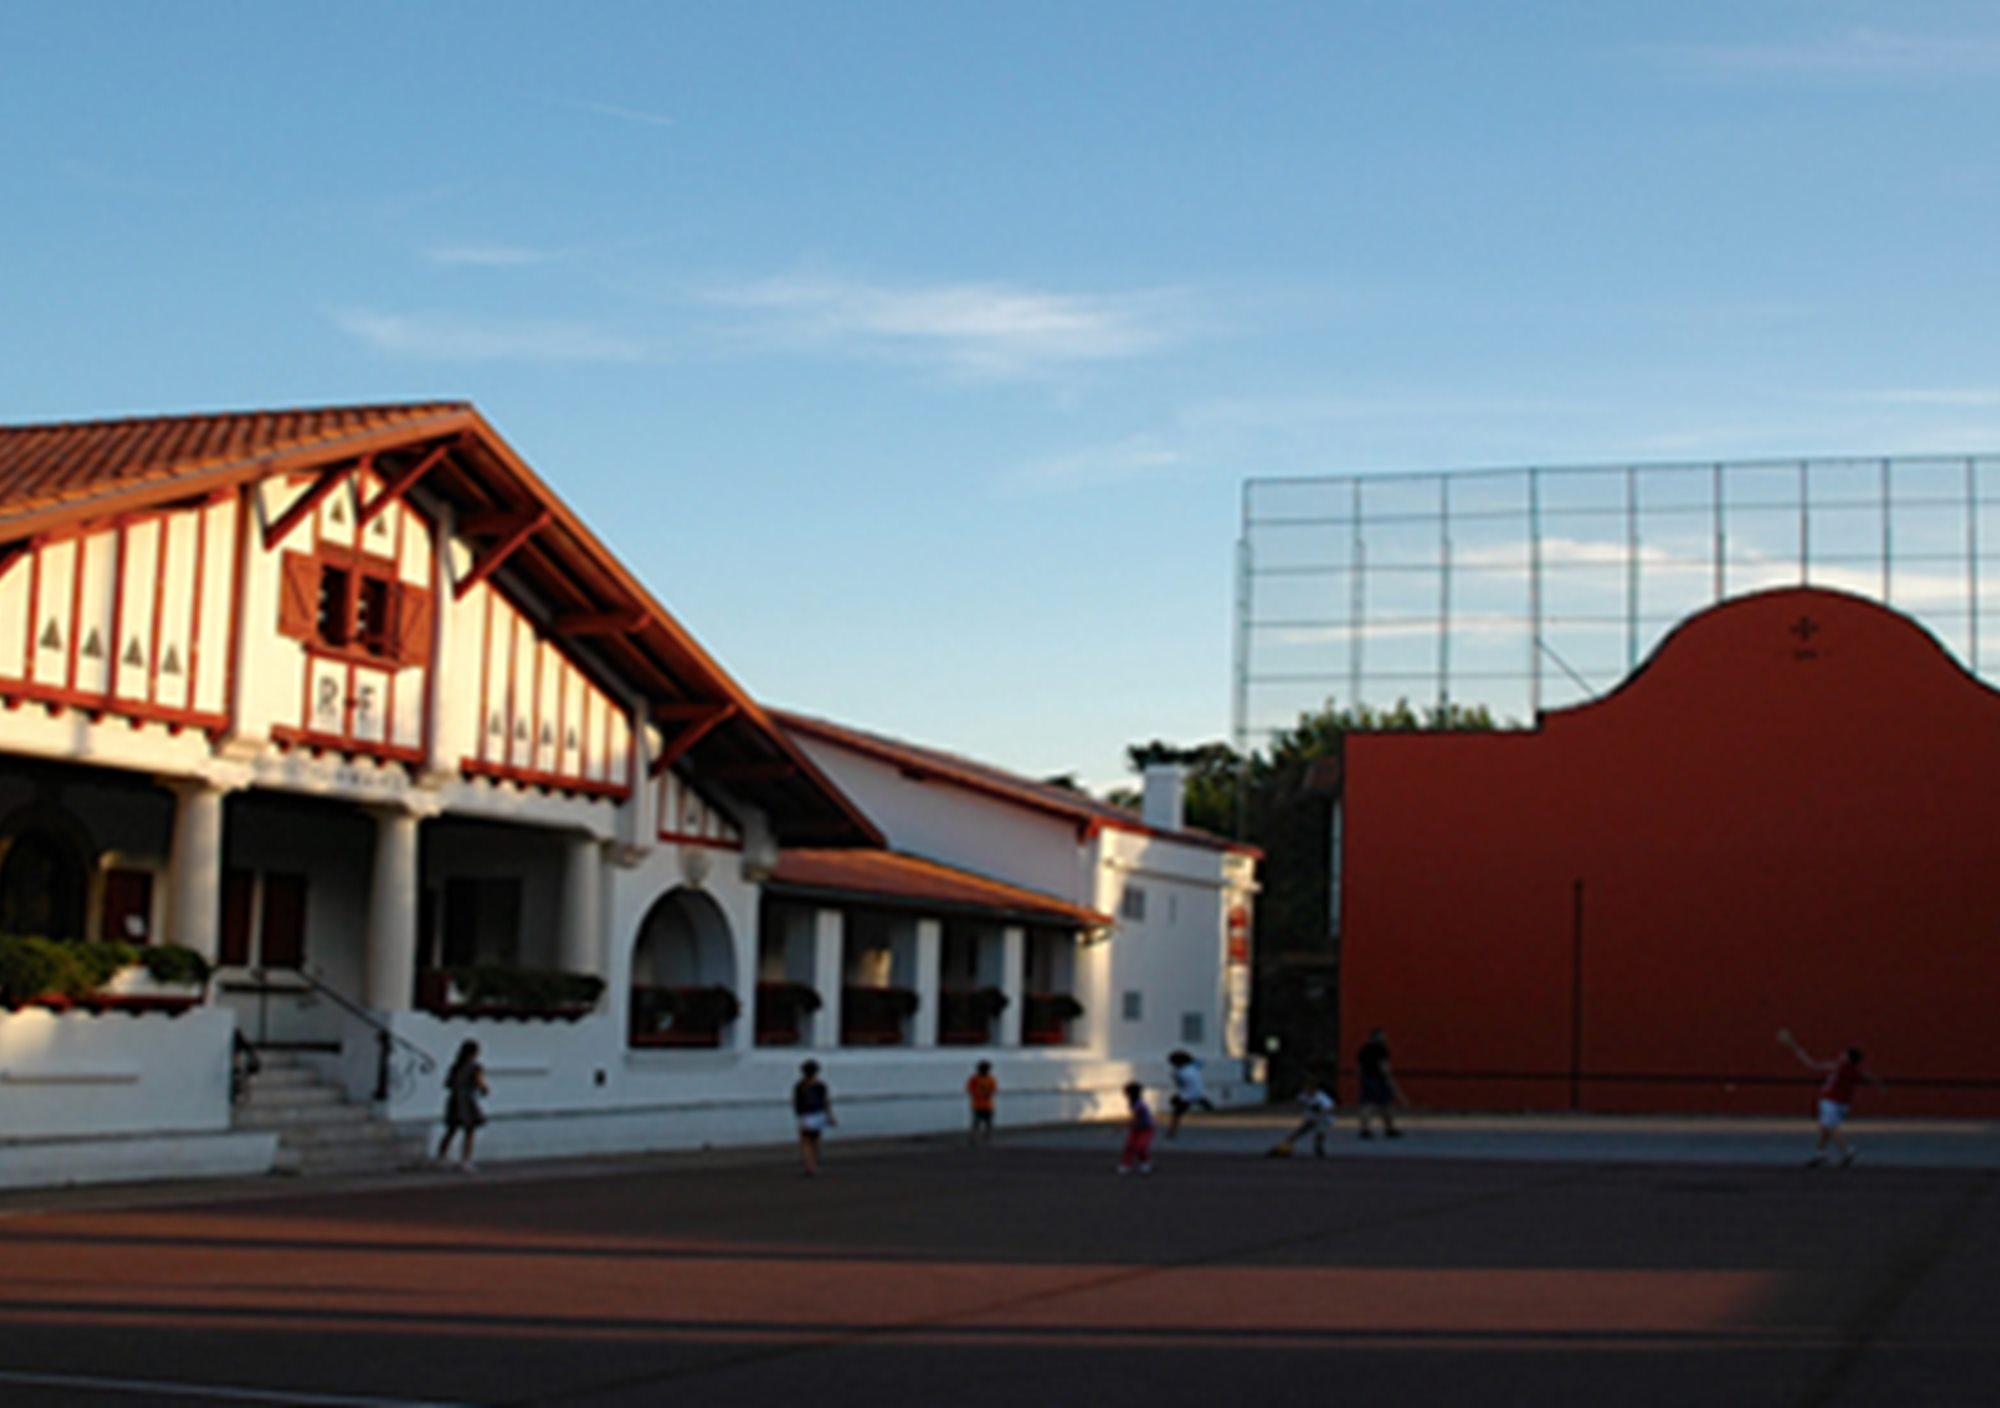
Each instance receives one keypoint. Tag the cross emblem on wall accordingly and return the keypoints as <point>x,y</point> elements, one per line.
<point>1805,628</point>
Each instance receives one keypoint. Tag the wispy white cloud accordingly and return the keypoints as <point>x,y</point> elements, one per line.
<point>1861,53</point>
<point>975,329</point>
<point>1950,396</point>
<point>440,337</point>
<point>1138,458</point>
<point>623,114</point>
<point>489,256</point>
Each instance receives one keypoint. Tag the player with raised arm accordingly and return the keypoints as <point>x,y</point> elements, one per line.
<point>1836,1096</point>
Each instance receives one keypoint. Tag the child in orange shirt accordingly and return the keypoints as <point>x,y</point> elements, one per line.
<point>981,1089</point>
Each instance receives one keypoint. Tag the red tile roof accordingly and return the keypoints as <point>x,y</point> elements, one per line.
<point>78,464</point>
<point>923,763</point>
<point>887,877</point>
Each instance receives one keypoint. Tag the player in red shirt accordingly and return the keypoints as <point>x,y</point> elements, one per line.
<point>1836,1094</point>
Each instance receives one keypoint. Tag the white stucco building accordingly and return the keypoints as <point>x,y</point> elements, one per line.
<point>347,701</point>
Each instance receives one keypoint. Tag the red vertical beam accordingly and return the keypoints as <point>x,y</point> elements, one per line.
<point>195,606</point>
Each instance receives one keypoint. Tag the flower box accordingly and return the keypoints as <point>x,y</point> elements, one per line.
<point>681,1016</point>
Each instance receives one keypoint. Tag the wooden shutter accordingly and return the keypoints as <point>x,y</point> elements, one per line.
<point>298,597</point>
<point>415,615</point>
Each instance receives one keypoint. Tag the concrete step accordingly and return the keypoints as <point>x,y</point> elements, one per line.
<point>291,1096</point>
<point>284,1077</point>
<point>282,1117</point>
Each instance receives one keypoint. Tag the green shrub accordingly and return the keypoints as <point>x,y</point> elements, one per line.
<point>31,967</point>
<point>174,963</point>
<point>98,961</point>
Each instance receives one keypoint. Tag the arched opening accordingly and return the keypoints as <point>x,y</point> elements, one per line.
<point>683,973</point>
<point>43,885</point>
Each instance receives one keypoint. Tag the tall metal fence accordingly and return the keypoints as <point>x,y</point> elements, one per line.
<point>1529,589</point>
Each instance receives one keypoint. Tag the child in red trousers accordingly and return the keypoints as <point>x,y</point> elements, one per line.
<point>1138,1131</point>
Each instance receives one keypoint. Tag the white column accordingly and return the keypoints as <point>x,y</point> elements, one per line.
<point>392,912</point>
<point>1013,982</point>
<point>829,972</point>
<point>194,915</point>
<point>580,940</point>
<point>930,947</point>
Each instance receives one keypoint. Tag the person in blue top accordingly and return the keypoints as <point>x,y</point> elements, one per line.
<point>812,1104</point>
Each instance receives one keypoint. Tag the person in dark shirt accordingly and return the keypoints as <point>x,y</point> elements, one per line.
<point>1379,1091</point>
<point>812,1104</point>
<point>1836,1096</point>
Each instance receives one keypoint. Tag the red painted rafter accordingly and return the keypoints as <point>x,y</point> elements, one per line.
<point>599,623</point>
<point>397,485</point>
<point>755,772</point>
<point>515,526</point>
<point>11,554</point>
<point>697,719</point>
<point>312,499</point>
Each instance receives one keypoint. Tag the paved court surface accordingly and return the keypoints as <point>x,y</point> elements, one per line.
<point>1565,1263</point>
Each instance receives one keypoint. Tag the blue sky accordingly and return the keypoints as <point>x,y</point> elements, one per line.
<point>915,353</point>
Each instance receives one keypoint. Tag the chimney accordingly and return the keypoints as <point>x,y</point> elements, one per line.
<point>1166,791</point>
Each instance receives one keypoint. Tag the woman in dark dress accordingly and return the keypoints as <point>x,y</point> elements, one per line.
<point>812,1105</point>
<point>464,1084</point>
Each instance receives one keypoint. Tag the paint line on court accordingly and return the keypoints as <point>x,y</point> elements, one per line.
<point>228,1393</point>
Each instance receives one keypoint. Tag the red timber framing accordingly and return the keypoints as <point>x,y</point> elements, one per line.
<point>395,486</point>
<point>581,731</point>
<point>122,621</point>
<point>303,507</point>
<point>692,721</point>
<point>512,526</point>
<point>357,670</point>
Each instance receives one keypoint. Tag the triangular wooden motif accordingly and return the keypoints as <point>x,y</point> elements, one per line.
<point>172,664</point>
<point>52,638</point>
<point>93,646</point>
<point>338,514</point>
<point>548,735</point>
<point>493,725</point>
<point>570,742</point>
<point>135,658</point>
<point>521,729</point>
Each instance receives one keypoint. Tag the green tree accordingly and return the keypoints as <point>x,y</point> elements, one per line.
<point>1281,799</point>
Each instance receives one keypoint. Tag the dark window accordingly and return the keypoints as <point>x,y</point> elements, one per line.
<point>238,889</point>
<point>333,623</point>
<point>1132,904</point>
<point>373,615</point>
<point>482,920</point>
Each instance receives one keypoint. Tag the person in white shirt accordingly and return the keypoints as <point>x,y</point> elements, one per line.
<point>1188,1092</point>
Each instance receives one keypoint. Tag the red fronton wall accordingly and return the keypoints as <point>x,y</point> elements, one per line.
<point>1789,818</point>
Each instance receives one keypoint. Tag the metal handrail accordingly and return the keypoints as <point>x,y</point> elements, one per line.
<point>385,1038</point>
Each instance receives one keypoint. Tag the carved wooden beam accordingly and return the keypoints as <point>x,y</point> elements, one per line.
<point>312,499</point>
<point>599,623</point>
<point>754,772</point>
<point>697,719</point>
<point>399,484</point>
<point>517,526</point>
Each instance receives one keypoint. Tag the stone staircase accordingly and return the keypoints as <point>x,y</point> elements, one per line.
<point>319,1130</point>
